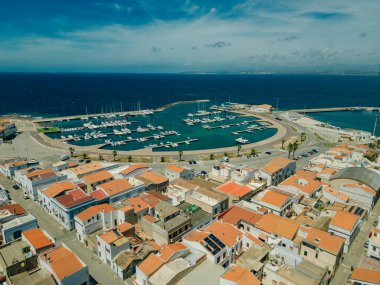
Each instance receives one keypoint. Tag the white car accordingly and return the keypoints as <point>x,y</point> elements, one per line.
<point>25,196</point>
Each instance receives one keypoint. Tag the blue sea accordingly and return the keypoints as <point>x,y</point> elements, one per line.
<point>49,94</point>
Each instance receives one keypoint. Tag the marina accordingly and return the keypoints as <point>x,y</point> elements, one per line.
<point>210,128</point>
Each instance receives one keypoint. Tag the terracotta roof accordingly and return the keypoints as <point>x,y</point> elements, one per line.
<point>123,227</point>
<point>132,168</point>
<point>97,177</point>
<point>235,189</point>
<point>98,194</point>
<point>151,264</point>
<point>116,186</point>
<point>340,195</point>
<point>274,198</point>
<point>276,164</point>
<point>41,172</point>
<point>240,276</point>
<point>72,198</point>
<point>365,188</point>
<point>197,236</point>
<point>153,177</point>
<point>14,209</point>
<point>325,240</point>
<point>138,204</point>
<point>93,210</point>
<point>37,239</point>
<point>227,233</point>
<point>366,275</point>
<point>264,106</point>
<point>159,196</point>
<point>58,188</point>
<point>254,239</point>
<point>175,168</point>
<point>64,262</point>
<point>235,214</point>
<point>303,183</point>
<point>168,250</point>
<point>281,226</point>
<point>344,220</point>
<point>149,219</point>
<point>15,163</point>
<point>109,237</point>
<point>86,168</point>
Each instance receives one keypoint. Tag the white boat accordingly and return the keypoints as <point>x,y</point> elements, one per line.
<point>241,140</point>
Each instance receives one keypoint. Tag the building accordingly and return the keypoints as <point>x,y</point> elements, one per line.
<point>334,195</point>
<point>374,244</point>
<point>89,168</point>
<point>276,171</point>
<point>178,189</point>
<point>147,268</point>
<point>264,108</point>
<point>236,192</point>
<point>345,225</point>
<point>238,276</point>
<point>173,172</point>
<point>94,218</point>
<point>254,257</point>
<point>121,189</point>
<point>362,185</point>
<point>13,229</point>
<point>363,276</point>
<point>242,174</point>
<point>33,179</point>
<point>65,266</point>
<point>221,172</point>
<point>38,240</point>
<point>8,169</point>
<point>276,201</point>
<point>134,170</point>
<point>154,181</point>
<point>209,200</point>
<point>302,182</point>
<point>321,248</point>
<point>8,130</point>
<point>94,179</point>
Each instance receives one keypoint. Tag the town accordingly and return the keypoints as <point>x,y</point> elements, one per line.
<point>98,222</point>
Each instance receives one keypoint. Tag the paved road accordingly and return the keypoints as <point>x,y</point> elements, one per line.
<point>357,250</point>
<point>98,270</point>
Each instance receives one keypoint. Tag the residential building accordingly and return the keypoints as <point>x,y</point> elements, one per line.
<point>209,200</point>
<point>345,225</point>
<point>134,170</point>
<point>243,174</point>
<point>178,189</point>
<point>13,229</point>
<point>8,129</point>
<point>276,201</point>
<point>147,268</point>
<point>254,256</point>
<point>8,169</point>
<point>94,179</point>
<point>276,171</point>
<point>154,181</point>
<point>89,168</point>
<point>321,248</point>
<point>221,172</point>
<point>263,108</point>
<point>374,244</point>
<point>334,195</point>
<point>237,275</point>
<point>364,276</point>
<point>38,240</point>
<point>236,192</point>
<point>173,172</point>
<point>65,266</point>
<point>121,189</point>
<point>302,182</point>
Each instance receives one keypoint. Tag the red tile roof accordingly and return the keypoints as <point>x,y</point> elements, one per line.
<point>276,164</point>
<point>227,233</point>
<point>97,177</point>
<point>132,168</point>
<point>153,177</point>
<point>281,226</point>
<point>235,214</point>
<point>151,264</point>
<point>325,240</point>
<point>93,210</point>
<point>72,198</point>
<point>366,275</point>
<point>240,276</point>
<point>168,250</point>
<point>234,189</point>
<point>98,194</point>
<point>344,220</point>
<point>16,209</point>
<point>58,188</point>
<point>37,239</point>
<point>116,186</point>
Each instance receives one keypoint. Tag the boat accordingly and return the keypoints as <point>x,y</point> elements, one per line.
<point>241,140</point>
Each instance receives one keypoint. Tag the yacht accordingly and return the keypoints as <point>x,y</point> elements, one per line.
<point>241,141</point>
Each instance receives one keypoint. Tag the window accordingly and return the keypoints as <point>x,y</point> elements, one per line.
<point>305,253</point>
<point>218,259</point>
<point>316,255</point>
<point>224,255</point>
<point>248,229</point>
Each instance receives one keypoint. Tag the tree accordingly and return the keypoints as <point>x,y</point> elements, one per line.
<point>101,158</point>
<point>282,144</point>
<point>238,149</point>
<point>253,152</point>
<point>114,154</point>
<point>377,143</point>
<point>71,150</point>
<point>130,159</point>
<point>85,155</point>
<point>290,149</point>
<point>212,156</point>
<point>295,147</point>
<point>180,153</point>
<point>162,159</point>
<point>303,136</point>
<point>226,154</point>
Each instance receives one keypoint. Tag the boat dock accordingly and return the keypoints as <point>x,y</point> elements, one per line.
<point>250,130</point>
<point>334,109</point>
<point>177,143</point>
<point>229,125</point>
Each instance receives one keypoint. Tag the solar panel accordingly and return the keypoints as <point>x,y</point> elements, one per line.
<point>357,211</point>
<point>361,211</point>
<point>351,208</point>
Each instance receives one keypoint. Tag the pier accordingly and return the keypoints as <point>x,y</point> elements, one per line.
<point>230,125</point>
<point>178,143</point>
<point>334,109</point>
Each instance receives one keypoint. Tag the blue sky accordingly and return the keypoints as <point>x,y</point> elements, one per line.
<point>189,35</point>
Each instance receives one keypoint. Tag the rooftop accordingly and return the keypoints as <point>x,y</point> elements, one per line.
<point>196,216</point>
<point>14,252</point>
<point>73,198</point>
<point>281,226</point>
<point>369,177</point>
<point>175,168</point>
<point>37,239</point>
<point>133,167</point>
<point>174,222</point>
<point>227,233</point>
<point>97,177</point>
<point>366,275</point>
<point>344,220</point>
<point>240,276</point>
<point>93,210</point>
<point>235,214</point>
<point>276,164</point>
<point>168,250</point>
<point>274,198</point>
<point>304,273</point>
<point>14,209</point>
<point>325,240</point>
<point>58,188</point>
<point>164,209</point>
<point>19,221</point>
<point>116,186</point>
<point>153,177</point>
<point>235,189</point>
<point>151,264</point>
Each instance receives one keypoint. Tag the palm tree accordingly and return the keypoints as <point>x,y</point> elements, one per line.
<point>130,158</point>
<point>180,153</point>
<point>377,143</point>
<point>303,136</point>
<point>162,159</point>
<point>282,144</point>
<point>290,149</point>
<point>114,154</point>
<point>71,150</point>
<point>85,156</point>
<point>253,152</point>
<point>238,149</point>
<point>295,147</point>
<point>101,157</point>
<point>212,156</point>
<point>226,154</point>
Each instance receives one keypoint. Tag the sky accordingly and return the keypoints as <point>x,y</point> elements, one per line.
<point>188,35</point>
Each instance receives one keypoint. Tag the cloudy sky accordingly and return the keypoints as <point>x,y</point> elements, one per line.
<point>189,35</point>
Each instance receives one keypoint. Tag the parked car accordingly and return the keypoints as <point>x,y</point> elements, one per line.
<point>88,161</point>
<point>64,157</point>
<point>16,187</point>
<point>268,153</point>
<point>366,244</point>
<point>25,196</point>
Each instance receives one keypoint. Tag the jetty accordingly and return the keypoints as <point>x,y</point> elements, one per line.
<point>334,109</point>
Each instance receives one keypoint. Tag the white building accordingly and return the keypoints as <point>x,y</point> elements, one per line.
<point>264,108</point>
<point>374,244</point>
<point>8,169</point>
<point>173,172</point>
<point>121,189</point>
<point>276,201</point>
<point>276,171</point>
<point>13,229</point>
<point>242,174</point>
<point>222,172</point>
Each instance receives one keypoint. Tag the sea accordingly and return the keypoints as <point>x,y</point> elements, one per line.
<point>63,94</point>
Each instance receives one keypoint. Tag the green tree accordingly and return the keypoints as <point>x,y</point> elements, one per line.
<point>303,137</point>
<point>130,158</point>
<point>101,158</point>
<point>180,153</point>
<point>212,156</point>
<point>71,150</point>
<point>85,155</point>
<point>290,149</point>
<point>282,143</point>
<point>162,159</point>
<point>253,152</point>
<point>377,143</point>
<point>295,147</point>
<point>114,154</point>
<point>238,149</point>
<point>226,154</point>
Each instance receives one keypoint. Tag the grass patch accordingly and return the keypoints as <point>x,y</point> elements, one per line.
<point>48,130</point>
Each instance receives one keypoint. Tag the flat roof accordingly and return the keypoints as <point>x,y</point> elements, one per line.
<point>197,216</point>
<point>13,252</point>
<point>173,223</point>
<point>19,221</point>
